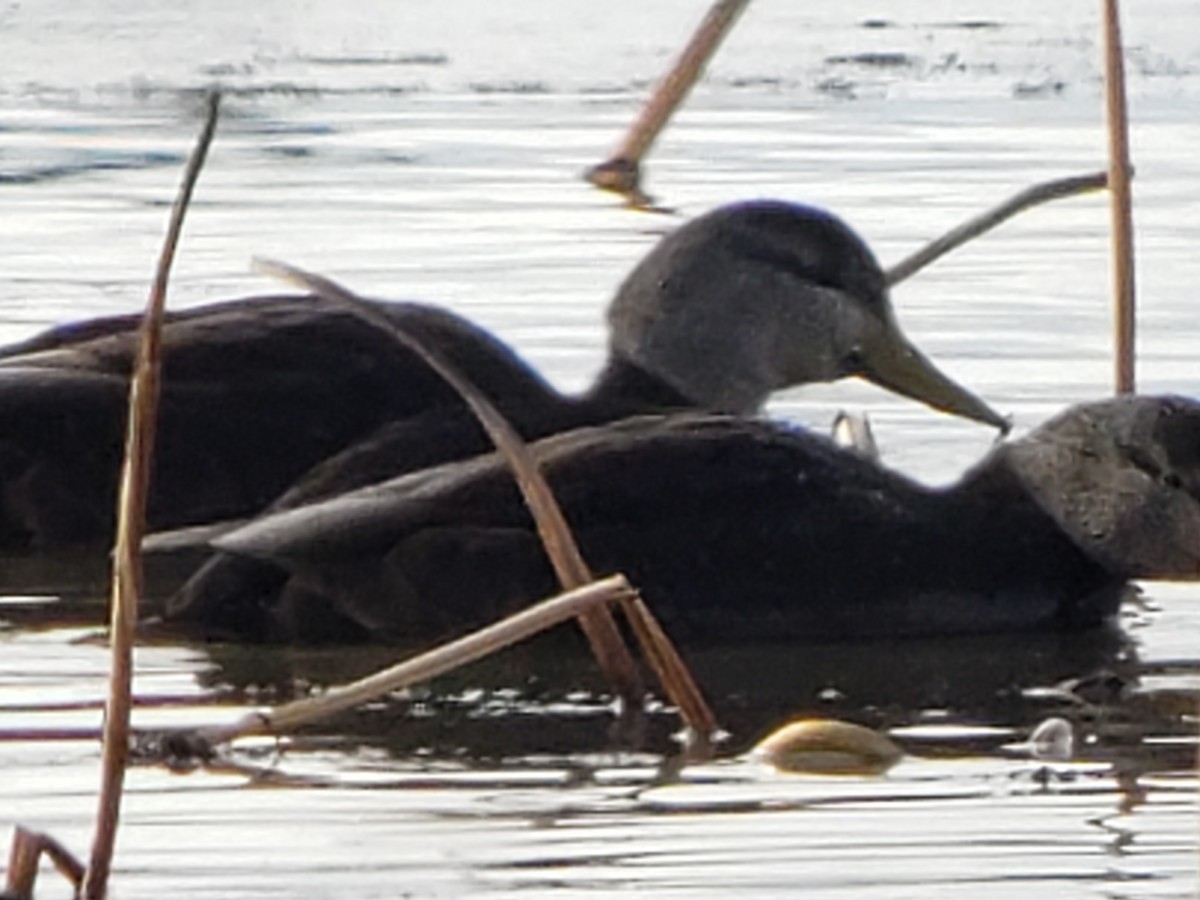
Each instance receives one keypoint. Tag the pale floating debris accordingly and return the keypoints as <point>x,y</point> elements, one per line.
<point>827,747</point>
<point>853,431</point>
<point>1053,740</point>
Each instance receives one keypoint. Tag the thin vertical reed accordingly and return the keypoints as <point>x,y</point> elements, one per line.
<point>1119,175</point>
<point>621,172</point>
<point>131,524</point>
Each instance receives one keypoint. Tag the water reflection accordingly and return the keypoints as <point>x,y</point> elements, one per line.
<point>544,699</point>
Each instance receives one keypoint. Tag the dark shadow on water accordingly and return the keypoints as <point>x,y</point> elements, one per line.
<point>545,697</point>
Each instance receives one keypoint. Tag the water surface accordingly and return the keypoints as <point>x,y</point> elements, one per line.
<point>432,151</point>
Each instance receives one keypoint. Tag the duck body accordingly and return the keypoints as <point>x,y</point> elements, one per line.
<point>741,529</point>
<point>255,392</point>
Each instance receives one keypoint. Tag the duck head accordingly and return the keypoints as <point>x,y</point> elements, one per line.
<point>1122,478</point>
<point>758,296</point>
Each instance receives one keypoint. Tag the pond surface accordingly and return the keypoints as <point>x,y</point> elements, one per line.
<point>432,150</point>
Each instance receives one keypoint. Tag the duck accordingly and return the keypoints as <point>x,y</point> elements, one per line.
<point>255,392</point>
<point>745,300</point>
<point>737,528</point>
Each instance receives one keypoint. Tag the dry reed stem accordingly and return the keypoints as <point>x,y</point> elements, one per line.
<point>1121,197</point>
<point>430,664</point>
<point>26,851</point>
<point>570,567</point>
<point>598,625</point>
<point>621,173</point>
<point>1056,189</point>
<point>671,669</point>
<point>131,524</point>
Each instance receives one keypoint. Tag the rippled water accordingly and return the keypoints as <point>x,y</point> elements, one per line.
<point>432,150</point>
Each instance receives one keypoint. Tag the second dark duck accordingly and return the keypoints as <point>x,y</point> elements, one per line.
<point>737,528</point>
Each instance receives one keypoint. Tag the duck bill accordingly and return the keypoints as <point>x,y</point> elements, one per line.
<point>897,365</point>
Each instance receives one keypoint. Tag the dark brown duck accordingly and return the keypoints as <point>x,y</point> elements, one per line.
<point>738,303</point>
<point>743,529</point>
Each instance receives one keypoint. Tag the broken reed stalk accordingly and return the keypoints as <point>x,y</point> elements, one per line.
<point>670,668</point>
<point>1121,200</point>
<point>27,849</point>
<point>430,664</point>
<point>131,524</point>
<point>570,567</point>
<point>621,173</point>
<point>598,625</point>
<point>24,854</point>
<point>572,571</point>
<point>1056,189</point>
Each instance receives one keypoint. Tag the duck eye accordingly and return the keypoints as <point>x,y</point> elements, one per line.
<point>1171,480</point>
<point>853,361</point>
